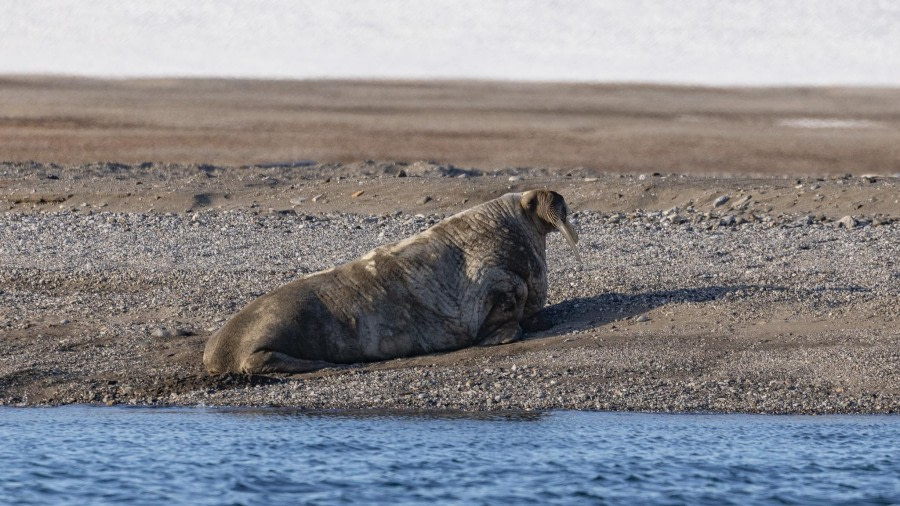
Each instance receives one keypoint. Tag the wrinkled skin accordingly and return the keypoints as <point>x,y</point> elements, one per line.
<point>476,278</point>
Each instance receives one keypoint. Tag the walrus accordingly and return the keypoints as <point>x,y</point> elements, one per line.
<point>476,278</point>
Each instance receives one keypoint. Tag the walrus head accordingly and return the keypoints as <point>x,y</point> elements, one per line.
<point>549,212</point>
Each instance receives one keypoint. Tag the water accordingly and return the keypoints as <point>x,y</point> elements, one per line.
<point>84,455</point>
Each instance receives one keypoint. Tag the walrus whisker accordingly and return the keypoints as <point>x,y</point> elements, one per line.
<point>472,279</point>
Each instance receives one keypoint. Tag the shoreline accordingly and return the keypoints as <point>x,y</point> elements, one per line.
<point>114,275</point>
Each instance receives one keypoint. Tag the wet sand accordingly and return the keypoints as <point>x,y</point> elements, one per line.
<point>612,128</point>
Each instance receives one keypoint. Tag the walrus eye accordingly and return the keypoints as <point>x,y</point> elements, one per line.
<point>551,209</point>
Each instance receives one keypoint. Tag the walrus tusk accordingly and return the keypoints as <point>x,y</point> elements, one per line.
<point>480,287</point>
<point>566,229</point>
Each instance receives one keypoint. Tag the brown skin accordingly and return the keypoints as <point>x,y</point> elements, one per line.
<point>474,279</point>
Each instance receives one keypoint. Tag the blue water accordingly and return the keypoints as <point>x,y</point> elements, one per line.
<point>84,455</point>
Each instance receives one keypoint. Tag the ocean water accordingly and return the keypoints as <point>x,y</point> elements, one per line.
<point>89,455</point>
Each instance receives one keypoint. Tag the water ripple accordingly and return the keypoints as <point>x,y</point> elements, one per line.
<point>78,455</point>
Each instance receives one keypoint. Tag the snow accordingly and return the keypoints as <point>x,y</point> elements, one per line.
<point>752,42</point>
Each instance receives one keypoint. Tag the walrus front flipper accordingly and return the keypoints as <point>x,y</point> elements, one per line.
<point>538,322</point>
<point>506,303</point>
<point>504,335</point>
<point>263,362</point>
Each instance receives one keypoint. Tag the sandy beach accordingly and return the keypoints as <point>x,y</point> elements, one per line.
<point>489,125</point>
<point>739,245</point>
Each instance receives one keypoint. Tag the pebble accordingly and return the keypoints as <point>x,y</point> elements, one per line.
<point>161,333</point>
<point>134,275</point>
<point>848,222</point>
<point>741,203</point>
<point>424,200</point>
<point>721,201</point>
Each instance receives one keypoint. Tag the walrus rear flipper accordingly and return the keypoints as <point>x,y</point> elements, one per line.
<point>264,362</point>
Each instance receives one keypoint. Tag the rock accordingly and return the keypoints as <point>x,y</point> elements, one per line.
<point>847,222</point>
<point>590,180</point>
<point>318,197</point>
<point>516,178</point>
<point>357,193</point>
<point>401,173</point>
<point>161,333</point>
<point>298,200</point>
<point>742,203</point>
<point>163,263</point>
<point>424,200</point>
<point>721,201</point>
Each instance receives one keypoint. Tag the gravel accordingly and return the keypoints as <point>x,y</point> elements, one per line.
<point>679,310</point>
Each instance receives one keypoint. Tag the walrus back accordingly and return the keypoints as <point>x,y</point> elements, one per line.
<point>292,319</point>
<point>431,292</point>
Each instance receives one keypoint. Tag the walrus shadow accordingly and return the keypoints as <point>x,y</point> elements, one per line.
<point>584,313</point>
